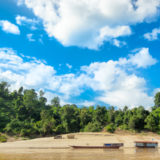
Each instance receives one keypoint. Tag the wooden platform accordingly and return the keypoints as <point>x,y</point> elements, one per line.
<point>146,144</point>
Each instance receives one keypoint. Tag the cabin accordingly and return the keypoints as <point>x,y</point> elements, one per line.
<point>113,145</point>
<point>146,144</point>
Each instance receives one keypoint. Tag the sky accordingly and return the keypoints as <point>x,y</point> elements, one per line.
<point>86,52</point>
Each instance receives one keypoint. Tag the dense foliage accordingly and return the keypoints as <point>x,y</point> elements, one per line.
<point>26,113</point>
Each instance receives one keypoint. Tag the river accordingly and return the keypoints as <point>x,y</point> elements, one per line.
<point>73,154</point>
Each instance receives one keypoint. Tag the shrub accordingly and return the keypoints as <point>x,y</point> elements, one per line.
<point>123,127</point>
<point>92,127</point>
<point>3,138</point>
<point>59,129</point>
<point>110,128</point>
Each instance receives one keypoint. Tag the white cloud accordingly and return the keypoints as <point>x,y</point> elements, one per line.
<point>118,43</point>
<point>30,74</point>
<point>110,34</point>
<point>90,23</point>
<point>30,37</point>
<point>87,103</point>
<point>110,81</point>
<point>129,90</point>
<point>142,58</point>
<point>153,35</point>
<point>156,91</point>
<point>20,2</point>
<point>69,66</point>
<point>118,86</point>
<point>22,20</point>
<point>9,27</point>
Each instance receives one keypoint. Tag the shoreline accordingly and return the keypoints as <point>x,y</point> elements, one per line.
<point>81,139</point>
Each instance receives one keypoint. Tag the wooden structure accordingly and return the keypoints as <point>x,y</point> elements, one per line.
<point>146,144</point>
<point>105,146</point>
<point>70,136</point>
<point>58,137</point>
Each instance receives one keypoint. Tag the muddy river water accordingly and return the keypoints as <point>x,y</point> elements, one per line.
<point>81,154</point>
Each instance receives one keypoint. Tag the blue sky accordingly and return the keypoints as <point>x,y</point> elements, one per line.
<point>86,52</point>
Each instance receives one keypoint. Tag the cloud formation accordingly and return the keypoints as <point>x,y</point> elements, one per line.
<point>90,23</point>
<point>9,27</point>
<point>111,81</point>
<point>153,35</point>
<point>142,59</point>
<point>22,20</point>
<point>30,37</point>
<point>120,87</point>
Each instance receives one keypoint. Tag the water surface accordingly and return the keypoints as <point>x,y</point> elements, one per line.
<point>81,154</point>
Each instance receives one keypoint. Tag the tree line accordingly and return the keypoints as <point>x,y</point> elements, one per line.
<point>23,112</point>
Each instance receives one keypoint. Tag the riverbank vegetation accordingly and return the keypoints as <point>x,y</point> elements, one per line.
<point>26,113</point>
<point>3,138</point>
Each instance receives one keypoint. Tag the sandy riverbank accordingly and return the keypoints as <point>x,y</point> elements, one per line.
<point>49,143</point>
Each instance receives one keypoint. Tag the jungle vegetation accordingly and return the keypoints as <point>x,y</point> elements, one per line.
<point>26,113</point>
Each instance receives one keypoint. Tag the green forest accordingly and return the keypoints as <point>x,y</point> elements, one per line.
<point>26,113</point>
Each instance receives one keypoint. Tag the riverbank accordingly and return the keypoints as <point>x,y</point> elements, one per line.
<point>89,139</point>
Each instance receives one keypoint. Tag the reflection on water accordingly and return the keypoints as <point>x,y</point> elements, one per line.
<point>71,154</point>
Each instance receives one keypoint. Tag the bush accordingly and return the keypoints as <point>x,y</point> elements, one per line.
<point>92,127</point>
<point>25,132</point>
<point>123,127</point>
<point>110,128</point>
<point>13,127</point>
<point>59,129</point>
<point>3,138</point>
<point>28,131</point>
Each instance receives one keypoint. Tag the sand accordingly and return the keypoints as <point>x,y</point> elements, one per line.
<point>96,139</point>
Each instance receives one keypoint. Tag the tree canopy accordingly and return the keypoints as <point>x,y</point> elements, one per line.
<point>24,112</point>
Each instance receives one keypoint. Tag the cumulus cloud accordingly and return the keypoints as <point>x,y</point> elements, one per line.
<point>91,23</point>
<point>118,86</point>
<point>9,27</point>
<point>110,81</point>
<point>129,90</point>
<point>29,74</point>
<point>32,73</point>
<point>22,20</point>
<point>153,35</point>
<point>142,59</point>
